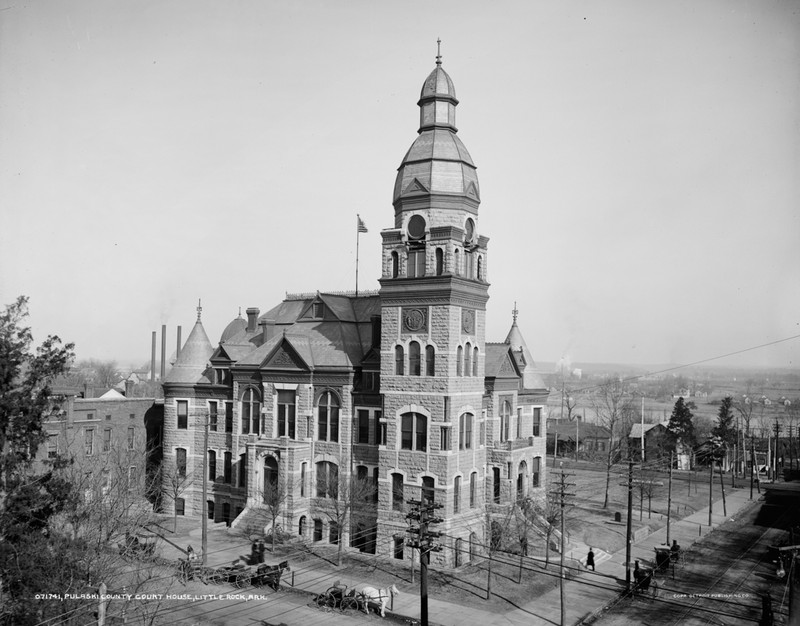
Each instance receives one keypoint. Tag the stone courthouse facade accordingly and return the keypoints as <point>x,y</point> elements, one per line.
<point>396,389</point>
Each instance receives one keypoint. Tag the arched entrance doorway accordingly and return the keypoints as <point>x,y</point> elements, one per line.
<point>270,485</point>
<point>523,470</point>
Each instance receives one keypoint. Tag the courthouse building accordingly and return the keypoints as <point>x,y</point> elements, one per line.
<point>397,388</point>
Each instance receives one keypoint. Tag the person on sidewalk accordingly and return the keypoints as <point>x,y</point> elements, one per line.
<point>590,559</point>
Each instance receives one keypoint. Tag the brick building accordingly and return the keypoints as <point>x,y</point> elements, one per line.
<point>398,388</point>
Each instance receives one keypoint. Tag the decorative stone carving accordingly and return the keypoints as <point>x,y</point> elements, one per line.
<point>415,320</point>
<point>468,321</point>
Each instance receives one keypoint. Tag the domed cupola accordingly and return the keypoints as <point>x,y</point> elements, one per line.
<point>437,164</point>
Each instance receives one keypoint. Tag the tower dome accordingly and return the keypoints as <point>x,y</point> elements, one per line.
<point>437,162</point>
<point>233,328</point>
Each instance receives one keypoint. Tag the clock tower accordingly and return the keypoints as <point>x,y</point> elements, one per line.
<point>433,297</point>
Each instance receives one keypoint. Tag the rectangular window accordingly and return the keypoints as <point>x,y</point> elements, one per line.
<point>398,548</point>
<point>107,440</point>
<point>535,471</point>
<point>457,494</point>
<point>131,437</point>
<point>302,480</point>
<point>132,416</point>
<point>180,462</point>
<point>132,478</point>
<point>363,426</point>
<point>317,529</point>
<point>108,418</point>
<point>243,471</point>
<point>496,484</point>
<point>407,431</point>
<point>180,506</point>
<point>416,263</point>
<point>537,422</point>
<point>228,468</point>
<point>212,416</point>
<point>397,492</point>
<point>445,438</point>
<point>52,446</point>
<point>88,441</point>
<point>381,430</point>
<point>90,416</point>
<point>286,413</point>
<point>229,417</point>
<point>182,407</point>
<point>483,431</point>
<point>212,465</point>
<point>519,423</point>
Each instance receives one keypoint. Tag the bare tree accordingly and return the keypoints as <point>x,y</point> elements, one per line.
<point>612,404</point>
<point>274,495</point>
<point>344,499</point>
<point>174,481</point>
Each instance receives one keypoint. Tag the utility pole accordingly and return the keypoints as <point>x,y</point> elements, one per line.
<point>752,465</point>
<point>422,512</point>
<point>643,429</point>
<point>722,485</point>
<point>777,439</point>
<point>669,495</point>
<point>204,521</point>
<point>562,494</point>
<point>629,537</point>
<point>710,487</point>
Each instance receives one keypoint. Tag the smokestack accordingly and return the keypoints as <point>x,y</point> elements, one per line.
<point>153,360</point>
<point>163,351</point>
<point>178,351</point>
<point>128,388</point>
<point>267,330</point>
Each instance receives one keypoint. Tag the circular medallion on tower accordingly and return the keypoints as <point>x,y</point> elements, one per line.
<point>416,227</point>
<point>414,320</point>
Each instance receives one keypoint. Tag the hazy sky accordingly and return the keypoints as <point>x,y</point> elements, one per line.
<point>638,162</point>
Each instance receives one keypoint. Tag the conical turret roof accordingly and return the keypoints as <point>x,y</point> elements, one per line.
<point>191,365</point>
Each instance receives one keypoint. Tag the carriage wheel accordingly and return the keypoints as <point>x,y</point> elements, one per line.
<point>349,603</point>
<point>326,600</point>
<point>242,580</point>
<point>215,577</point>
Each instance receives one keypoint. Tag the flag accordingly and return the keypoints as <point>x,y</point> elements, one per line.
<point>361,226</point>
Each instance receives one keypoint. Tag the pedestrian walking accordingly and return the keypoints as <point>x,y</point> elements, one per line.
<point>590,559</point>
<point>261,549</point>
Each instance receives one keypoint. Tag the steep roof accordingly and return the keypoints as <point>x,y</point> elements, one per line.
<point>191,365</point>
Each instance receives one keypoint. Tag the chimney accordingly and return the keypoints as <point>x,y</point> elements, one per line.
<point>163,351</point>
<point>267,330</point>
<point>153,360</point>
<point>128,388</point>
<point>252,319</point>
<point>178,350</point>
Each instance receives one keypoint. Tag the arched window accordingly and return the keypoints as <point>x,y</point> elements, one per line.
<point>413,359</point>
<point>469,264</point>
<point>251,411</point>
<point>459,361</point>
<point>413,432</point>
<point>430,361</point>
<point>468,359</point>
<point>270,480</point>
<point>456,263</point>
<point>459,552</point>
<point>328,417</point>
<point>523,470</point>
<point>301,527</point>
<point>399,368</point>
<point>457,494</point>
<point>473,489</point>
<point>505,418</point>
<point>480,267</point>
<point>475,361</point>
<point>439,261</point>
<point>465,431</point>
<point>395,265</point>
<point>327,480</point>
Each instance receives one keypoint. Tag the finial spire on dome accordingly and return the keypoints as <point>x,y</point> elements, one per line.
<point>438,52</point>
<point>515,312</point>
<point>199,309</point>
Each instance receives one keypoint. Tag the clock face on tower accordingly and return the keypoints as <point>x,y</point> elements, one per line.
<point>416,227</point>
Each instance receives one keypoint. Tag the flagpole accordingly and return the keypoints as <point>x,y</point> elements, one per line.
<point>358,236</point>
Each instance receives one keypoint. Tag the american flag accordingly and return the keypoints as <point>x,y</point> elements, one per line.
<point>361,226</point>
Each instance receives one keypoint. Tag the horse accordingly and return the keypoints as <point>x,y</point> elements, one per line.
<point>271,574</point>
<point>366,594</point>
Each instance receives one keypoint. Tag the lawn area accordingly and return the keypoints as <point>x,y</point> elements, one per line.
<point>588,522</point>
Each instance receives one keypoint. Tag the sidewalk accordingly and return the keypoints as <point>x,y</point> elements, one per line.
<point>586,594</point>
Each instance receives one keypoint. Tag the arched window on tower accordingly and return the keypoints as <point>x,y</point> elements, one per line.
<point>468,359</point>
<point>395,265</point>
<point>399,359</point>
<point>456,263</point>
<point>480,267</point>
<point>469,264</point>
<point>413,359</point>
<point>460,361</point>
<point>475,361</point>
<point>439,261</point>
<point>430,361</point>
